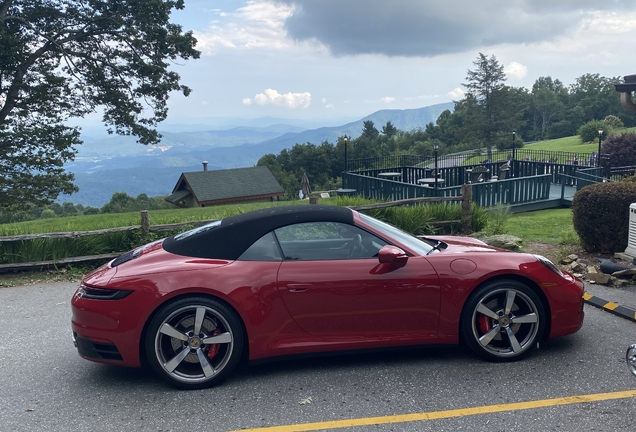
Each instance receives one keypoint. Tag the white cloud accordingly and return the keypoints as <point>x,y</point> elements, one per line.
<point>272,97</point>
<point>257,25</point>
<point>516,71</point>
<point>387,100</point>
<point>329,106</point>
<point>456,94</point>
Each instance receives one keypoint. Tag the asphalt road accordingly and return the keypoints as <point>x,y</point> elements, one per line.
<point>46,386</point>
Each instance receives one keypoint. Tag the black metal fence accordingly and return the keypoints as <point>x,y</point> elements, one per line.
<point>476,157</point>
<point>619,173</point>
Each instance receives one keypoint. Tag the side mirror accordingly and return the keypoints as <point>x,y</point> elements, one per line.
<point>392,255</point>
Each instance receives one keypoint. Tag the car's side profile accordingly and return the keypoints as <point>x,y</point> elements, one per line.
<point>313,279</point>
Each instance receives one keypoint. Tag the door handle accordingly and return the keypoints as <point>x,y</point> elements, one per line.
<point>300,287</point>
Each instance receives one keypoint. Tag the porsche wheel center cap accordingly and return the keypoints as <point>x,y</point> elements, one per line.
<point>504,321</point>
<point>194,342</point>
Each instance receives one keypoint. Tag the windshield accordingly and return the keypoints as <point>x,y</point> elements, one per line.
<point>419,246</point>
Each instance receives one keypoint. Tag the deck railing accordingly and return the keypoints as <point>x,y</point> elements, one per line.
<point>486,194</point>
<point>473,158</point>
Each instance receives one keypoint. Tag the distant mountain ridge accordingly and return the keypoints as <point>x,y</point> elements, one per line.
<point>118,164</point>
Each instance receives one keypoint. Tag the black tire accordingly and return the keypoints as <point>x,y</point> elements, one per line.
<point>502,321</point>
<point>193,361</point>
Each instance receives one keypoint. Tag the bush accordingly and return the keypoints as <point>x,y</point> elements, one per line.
<point>589,131</point>
<point>621,149</point>
<point>613,122</point>
<point>498,220</point>
<point>90,210</point>
<point>601,216</point>
<point>47,213</point>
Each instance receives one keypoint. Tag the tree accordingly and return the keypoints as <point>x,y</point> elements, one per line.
<point>61,59</point>
<point>621,149</point>
<point>369,130</point>
<point>484,84</point>
<point>548,103</point>
<point>589,131</point>
<point>389,129</point>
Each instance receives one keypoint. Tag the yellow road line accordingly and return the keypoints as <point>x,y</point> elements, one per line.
<point>435,415</point>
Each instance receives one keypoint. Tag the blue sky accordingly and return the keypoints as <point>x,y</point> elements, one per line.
<point>343,59</point>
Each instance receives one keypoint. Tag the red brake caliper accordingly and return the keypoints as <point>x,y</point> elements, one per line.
<point>214,349</point>
<point>484,324</point>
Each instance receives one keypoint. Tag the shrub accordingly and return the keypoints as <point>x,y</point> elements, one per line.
<point>90,210</point>
<point>47,213</point>
<point>601,216</point>
<point>613,122</point>
<point>589,131</point>
<point>498,220</point>
<point>621,149</point>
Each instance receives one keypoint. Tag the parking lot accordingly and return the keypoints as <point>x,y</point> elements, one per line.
<point>45,385</point>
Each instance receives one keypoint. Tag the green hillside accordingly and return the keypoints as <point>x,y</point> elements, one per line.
<point>570,144</point>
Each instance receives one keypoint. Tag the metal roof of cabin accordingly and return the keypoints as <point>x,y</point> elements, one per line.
<point>225,184</point>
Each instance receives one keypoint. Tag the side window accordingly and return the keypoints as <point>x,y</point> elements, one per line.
<point>327,241</point>
<point>263,249</point>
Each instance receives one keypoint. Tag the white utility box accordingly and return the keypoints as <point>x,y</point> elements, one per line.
<point>631,241</point>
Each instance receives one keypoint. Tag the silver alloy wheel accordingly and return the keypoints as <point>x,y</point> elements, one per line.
<point>630,358</point>
<point>193,344</point>
<point>505,322</point>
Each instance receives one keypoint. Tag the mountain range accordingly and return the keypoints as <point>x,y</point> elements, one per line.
<point>108,164</point>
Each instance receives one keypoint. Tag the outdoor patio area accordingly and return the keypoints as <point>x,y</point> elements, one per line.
<point>529,184</point>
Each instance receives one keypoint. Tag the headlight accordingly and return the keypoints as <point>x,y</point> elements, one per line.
<point>101,293</point>
<point>549,264</point>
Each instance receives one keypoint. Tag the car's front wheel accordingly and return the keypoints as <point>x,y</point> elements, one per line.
<point>194,342</point>
<point>503,321</point>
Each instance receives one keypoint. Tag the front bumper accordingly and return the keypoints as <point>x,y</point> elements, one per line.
<point>109,331</point>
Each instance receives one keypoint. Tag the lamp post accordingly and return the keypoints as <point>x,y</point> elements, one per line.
<point>346,139</point>
<point>436,147</point>
<point>514,134</point>
<point>598,155</point>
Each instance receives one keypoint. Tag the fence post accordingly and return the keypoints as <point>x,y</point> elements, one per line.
<point>467,208</point>
<point>145,224</point>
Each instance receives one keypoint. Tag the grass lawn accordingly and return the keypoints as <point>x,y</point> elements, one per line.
<point>544,226</point>
<point>157,217</point>
<point>570,144</point>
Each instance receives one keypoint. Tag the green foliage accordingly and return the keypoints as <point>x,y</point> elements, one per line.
<point>389,129</point>
<point>601,215</point>
<point>369,130</point>
<point>420,219</point>
<point>498,220</point>
<point>568,237</point>
<point>548,104</point>
<point>47,213</point>
<point>621,149</point>
<point>121,202</point>
<point>589,131</point>
<point>613,122</point>
<point>63,59</point>
<point>415,219</point>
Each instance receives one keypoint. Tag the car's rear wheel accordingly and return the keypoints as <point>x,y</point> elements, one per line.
<point>194,342</point>
<point>503,321</point>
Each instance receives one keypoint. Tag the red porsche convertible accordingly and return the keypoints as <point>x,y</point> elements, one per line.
<point>309,279</point>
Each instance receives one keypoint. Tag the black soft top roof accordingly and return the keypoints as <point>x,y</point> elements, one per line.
<point>236,233</point>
